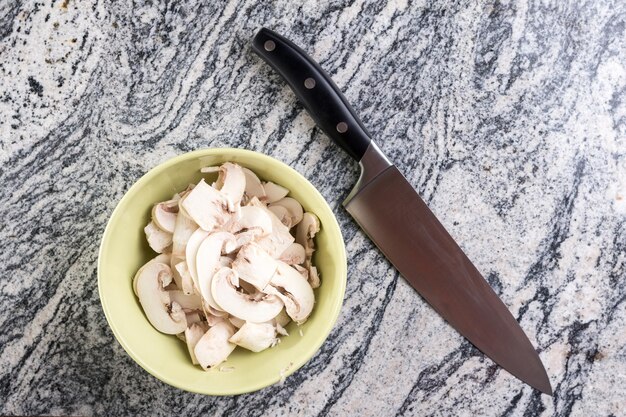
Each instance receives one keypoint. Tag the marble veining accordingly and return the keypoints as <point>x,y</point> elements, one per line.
<point>509,118</point>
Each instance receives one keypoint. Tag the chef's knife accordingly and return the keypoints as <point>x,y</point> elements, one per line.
<point>394,216</point>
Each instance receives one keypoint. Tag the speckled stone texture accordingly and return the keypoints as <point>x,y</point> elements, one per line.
<point>509,118</point>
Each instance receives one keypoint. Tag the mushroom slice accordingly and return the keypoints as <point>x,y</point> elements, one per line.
<point>254,336</point>
<point>166,316</point>
<point>231,182</point>
<point>163,258</point>
<point>255,266</point>
<point>305,232</point>
<point>181,271</point>
<point>217,313</point>
<point>248,288</point>
<point>293,207</point>
<point>159,240</point>
<point>280,238</point>
<point>314,277</point>
<point>164,215</point>
<point>253,219</point>
<point>293,290</point>
<point>174,260</point>
<point>282,214</point>
<point>274,192</point>
<point>193,318</point>
<point>226,261</point>
<point>183,230</point>
<point>303,271</point>
<point>208,207</point>
<point>254,188</point>
<point>243,238</point>
<point>293,255</point>
<point>191,302</point>
<point>236,321</point>
<point>208,261</point>
<point>192,335</point>
<point>239,304</point>
<point>213,347</point>
<point>191,251</point>
<point>212,320</point>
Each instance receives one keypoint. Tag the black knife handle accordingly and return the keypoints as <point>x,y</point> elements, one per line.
<point>315,89</point>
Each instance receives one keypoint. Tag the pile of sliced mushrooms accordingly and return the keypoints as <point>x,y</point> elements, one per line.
<point>234,265</point>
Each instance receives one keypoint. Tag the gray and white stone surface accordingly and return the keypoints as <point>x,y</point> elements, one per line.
<point>509,117</point>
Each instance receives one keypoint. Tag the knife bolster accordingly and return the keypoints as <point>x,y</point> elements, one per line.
<point>372,164</point>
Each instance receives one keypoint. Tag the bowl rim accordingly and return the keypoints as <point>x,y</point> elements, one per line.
<point>309,352</point>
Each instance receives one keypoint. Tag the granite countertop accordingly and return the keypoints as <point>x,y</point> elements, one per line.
<point>509,118</point>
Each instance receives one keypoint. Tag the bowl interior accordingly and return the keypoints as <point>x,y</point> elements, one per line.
<point>124,250</point>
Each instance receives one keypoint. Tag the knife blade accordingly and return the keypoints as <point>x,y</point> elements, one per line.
<point>393,215</point>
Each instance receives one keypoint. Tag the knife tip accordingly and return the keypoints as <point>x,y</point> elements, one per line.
<point>542,383</point>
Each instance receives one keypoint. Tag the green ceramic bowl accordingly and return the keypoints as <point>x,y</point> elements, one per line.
<point>124,249</point>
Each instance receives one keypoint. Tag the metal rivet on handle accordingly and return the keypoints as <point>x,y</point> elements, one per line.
<point>309,83</point>
<point>342,127</point>
<point>269,46</point>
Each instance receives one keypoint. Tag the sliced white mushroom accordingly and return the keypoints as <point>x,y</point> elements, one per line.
<point>181,271</point>
<point>303,271</point>
<point>193,318</point>
<point>191,302</point>
<point>293,208</point>
<point>274,192</point>
<point>226,261</point>
<point>306,231</point>
<point>254,188</point>
<point>243,238</point>
<point>213,347</point>
<point>208,261</point>
<point>183,230</point>
<point>254,265</point>
<point>254,336</point>
<point>253,219</point>
<point>208,207</point>
<point>239,304</point>
<point>282,214</point>
<point>249,288</point>
<point>217,313</point>
<point>163,258</point>
<point>159,240</point>
<point>236,321</point>
<point>293,255</point>
<point>294,291</point>
<point>174,260</point>
<point>229,266</point>
<point>191,251</point>
<point>231,182</point>
<point>280,238</point>
<point>212,320</point>
<point>164,215</point>
<point>313,276</point>
<point>166,316</point>
<point>192,335</point>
